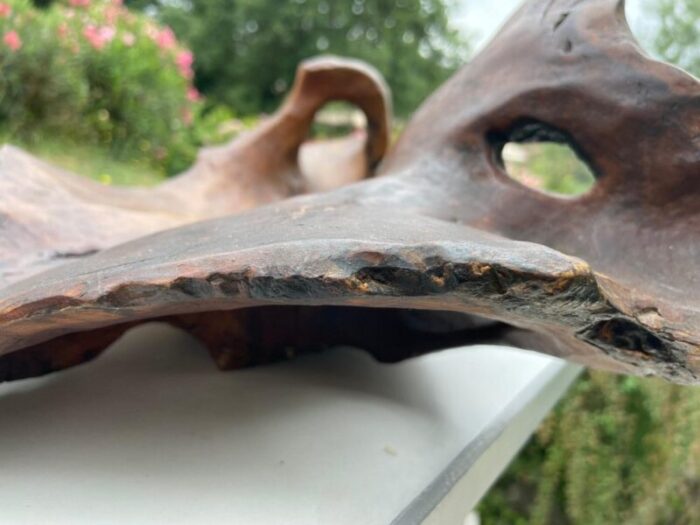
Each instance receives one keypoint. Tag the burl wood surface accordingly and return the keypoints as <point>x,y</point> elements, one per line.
<point>440,249</point>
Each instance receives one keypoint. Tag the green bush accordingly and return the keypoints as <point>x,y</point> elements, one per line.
<point>259,43</point>
<point>616,450</point>
<point>96,73</point>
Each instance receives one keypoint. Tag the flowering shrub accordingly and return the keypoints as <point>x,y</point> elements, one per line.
<point>94,72</point>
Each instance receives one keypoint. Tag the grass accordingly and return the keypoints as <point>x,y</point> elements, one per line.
<point>92,162</point>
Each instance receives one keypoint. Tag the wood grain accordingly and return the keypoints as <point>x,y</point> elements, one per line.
<point>439,248</point>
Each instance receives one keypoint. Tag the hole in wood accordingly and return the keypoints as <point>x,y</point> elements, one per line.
<point>549,167</point>
<point>334,154</point>
<point>337,119</point>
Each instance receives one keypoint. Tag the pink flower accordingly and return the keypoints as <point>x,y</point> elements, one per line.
<point>112,14</point>
<point>184,61</point>
<point>5,10</point>
<point>129,39</point>
<point>98,37</point>
<point>12,40</point>
<point>166,39</point>
<point>107,33</point>
<point>193,95</point>
<point>79,3</point>
<point>62,31</point>
<point>93,36</point>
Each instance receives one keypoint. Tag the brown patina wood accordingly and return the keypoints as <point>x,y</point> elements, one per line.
<point>440,249</point>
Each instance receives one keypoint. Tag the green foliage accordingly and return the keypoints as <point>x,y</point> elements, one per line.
<point>94,162</point>
<point>94,73</point>
<point>36,89</point>
<point>616,450</point>
<point>560,170</point>
<point>549,166</point>
<point>678,38</point>
<point>247,50</point>
<point>206,129</point>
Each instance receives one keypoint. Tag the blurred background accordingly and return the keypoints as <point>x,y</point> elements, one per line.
<point>127,92</point>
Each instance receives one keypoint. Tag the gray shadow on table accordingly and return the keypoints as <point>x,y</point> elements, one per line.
<point>157,381</point>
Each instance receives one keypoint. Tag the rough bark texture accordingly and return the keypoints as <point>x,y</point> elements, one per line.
<point>441,249</point>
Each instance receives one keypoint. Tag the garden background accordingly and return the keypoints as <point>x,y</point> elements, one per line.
<point>127,92</point>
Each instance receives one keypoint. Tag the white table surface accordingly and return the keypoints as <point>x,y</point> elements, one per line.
<point>152,433</point>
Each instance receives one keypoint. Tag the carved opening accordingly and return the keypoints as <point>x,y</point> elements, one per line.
<point>544,159</point>
<point>337,119</point>
<point>334,153</point>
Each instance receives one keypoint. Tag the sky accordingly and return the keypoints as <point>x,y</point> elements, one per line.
<point>482,18</point>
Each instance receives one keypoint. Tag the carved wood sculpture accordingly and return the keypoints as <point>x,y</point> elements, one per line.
<point>442,248</point>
